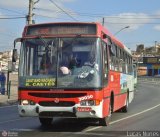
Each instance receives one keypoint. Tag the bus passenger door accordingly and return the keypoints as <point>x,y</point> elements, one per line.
<point>105,79</point>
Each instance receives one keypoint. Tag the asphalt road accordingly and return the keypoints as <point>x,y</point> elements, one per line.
<point>143,118</point>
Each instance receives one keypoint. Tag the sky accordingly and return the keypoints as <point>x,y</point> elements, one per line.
<point>142,17</point>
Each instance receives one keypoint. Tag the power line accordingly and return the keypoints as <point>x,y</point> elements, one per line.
<point>60,12</point>
<point>55,11</point>
<point>104,22</point>
<point>132,23</point>
<point>104,15</point>
<point>145,42</point>
<point>9,35</point>
<point>50,17</point>
<point>8,15</point>
<point>12,11</point>
<point>47,9</point>
<point>12,17</point>
<point>63,10</point>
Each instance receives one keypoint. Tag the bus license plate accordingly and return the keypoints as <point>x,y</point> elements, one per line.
<point>84,109</point>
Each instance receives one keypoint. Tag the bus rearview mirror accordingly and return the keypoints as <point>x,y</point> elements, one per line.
<point>14,55</point>
<point>112,51</point>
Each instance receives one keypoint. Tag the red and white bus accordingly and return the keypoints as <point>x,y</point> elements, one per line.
<point>73,69</point>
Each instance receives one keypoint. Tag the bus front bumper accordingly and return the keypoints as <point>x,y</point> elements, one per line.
<point>74,111</point>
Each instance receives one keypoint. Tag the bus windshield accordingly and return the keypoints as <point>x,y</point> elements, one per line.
<point>60,63</point>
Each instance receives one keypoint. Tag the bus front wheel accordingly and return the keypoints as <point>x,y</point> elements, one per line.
<point>45,121</point>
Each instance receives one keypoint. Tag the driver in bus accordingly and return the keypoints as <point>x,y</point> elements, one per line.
<point>69,64</point>
<point>64,65</point>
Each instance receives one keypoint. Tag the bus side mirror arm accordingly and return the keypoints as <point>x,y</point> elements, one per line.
<point>17,40</point>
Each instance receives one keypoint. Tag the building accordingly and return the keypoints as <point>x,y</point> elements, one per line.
<point>147,60</point>
<point>148,66</point>
<point>152,64</point>
<point>5,61</point>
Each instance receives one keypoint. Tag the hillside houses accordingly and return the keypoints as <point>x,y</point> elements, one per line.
<point>5,60</point>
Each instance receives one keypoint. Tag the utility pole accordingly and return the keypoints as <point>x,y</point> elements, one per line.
<point>103,21</point>
<point>30,14</point>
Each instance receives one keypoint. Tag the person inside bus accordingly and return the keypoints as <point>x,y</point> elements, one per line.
<point>53,67</point>
<point>64,65</point>
<point>45,64</point>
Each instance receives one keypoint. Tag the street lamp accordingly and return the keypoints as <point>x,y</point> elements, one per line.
<point>121,30</point>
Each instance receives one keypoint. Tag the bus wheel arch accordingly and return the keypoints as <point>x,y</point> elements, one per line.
<point>105,121</point>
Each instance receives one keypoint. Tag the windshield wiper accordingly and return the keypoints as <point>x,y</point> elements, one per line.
<point>44,42</point>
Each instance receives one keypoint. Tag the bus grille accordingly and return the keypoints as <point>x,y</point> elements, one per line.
<point>58,95</point>
<point>56,114</point>
<point>59,104</point>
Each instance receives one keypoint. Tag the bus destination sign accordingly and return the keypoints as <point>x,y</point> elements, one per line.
<point>61,29</point>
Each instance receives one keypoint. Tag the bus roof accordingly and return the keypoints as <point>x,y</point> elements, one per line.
<point>99,30</point>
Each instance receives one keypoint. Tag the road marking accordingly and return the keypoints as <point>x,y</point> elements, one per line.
<point>8,106</point>
<point>135,114</point>
<point>93,129</point>
<point>116,121</point>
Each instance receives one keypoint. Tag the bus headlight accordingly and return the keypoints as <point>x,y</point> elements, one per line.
<point>24,102</point>
<point>27,102</point>
<point>90,102</point>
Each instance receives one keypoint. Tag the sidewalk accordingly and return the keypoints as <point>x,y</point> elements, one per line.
<point>13,91</point>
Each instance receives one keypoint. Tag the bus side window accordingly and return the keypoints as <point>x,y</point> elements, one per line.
<point>111,67</point>
<point>105,63</point>
<point>116,59</point>
<point>120,60</point>
<point>124,62</point>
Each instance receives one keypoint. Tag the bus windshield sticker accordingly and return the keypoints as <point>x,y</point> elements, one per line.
<point>39,82</point>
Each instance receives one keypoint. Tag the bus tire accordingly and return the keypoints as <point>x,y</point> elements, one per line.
<point>45,121</point>
<point>125,108</point>
<point>105,121</point>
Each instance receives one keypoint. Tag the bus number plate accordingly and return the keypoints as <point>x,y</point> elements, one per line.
<point>84,109</point>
